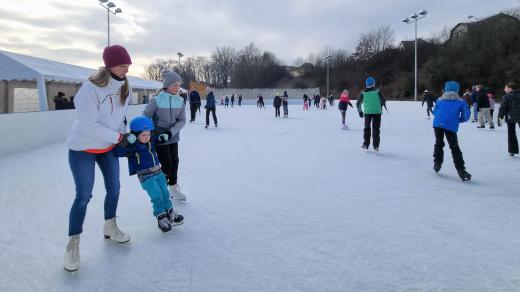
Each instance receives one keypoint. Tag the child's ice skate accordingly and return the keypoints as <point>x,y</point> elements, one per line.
<point>163,222</point>
<point>173,218</point>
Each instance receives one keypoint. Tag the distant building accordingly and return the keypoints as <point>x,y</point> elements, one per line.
<point>462,28</point>
<point>295,72</point>
<point>411,44</point>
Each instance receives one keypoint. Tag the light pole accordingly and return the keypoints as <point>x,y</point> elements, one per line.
<point>414,18</point>
<point>108,7</point>
<point>327,58</point>
<point>180,56</point>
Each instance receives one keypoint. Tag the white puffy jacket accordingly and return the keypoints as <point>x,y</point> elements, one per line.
<point>99,118</point>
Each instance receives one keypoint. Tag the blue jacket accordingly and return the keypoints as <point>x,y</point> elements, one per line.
<point>449,111</point>
<point>140,156</point>
<point>210,101</point>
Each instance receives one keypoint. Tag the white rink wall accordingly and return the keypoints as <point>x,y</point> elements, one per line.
<point>26,131</point>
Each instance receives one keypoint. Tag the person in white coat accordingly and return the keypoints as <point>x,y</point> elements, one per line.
<point>101,104</point>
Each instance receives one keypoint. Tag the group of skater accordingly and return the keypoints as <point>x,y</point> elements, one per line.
<point>226,100</point>
<point>99,136</point>
<point>210,107</point>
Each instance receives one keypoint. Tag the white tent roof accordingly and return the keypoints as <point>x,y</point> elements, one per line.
<point>23,67</point>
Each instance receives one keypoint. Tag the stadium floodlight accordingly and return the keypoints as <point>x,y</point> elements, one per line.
<point>414,18</point>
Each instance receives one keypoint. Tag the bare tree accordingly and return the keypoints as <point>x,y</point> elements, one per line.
<point>153,71</point>
<point>298,62</point>
<point>373,42</point>
<point>224,58</point>
<point>439,37</point>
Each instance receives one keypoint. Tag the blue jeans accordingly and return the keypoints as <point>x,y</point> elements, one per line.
<point>475,112</point>
<point>157,190</point>
<point>82,165</point>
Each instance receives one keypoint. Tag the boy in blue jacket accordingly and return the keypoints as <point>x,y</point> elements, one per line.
<point>450,110</point>
<point>143,161</point>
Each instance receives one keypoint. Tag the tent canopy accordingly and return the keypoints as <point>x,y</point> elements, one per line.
<point>23,67</point>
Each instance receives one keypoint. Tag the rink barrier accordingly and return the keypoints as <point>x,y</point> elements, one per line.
<point>26,131</point>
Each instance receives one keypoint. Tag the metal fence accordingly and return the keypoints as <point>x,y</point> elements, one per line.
<point>267,93</point>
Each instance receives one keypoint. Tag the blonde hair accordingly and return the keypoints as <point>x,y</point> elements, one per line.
<point>101,78</point>
<point>345,91</point>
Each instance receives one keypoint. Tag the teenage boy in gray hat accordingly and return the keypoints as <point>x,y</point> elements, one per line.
<point>167,110</point>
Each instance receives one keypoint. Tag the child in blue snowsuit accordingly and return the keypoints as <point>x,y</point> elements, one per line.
<point>143,161</point>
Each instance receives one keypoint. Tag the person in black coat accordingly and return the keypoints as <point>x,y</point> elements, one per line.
<point>60,102</point>
<point>430,100</point>
<point>261,103</point>
<point>510,110</point>
<point>210,107</point>
<point>277,103</point>
<point>194,103</point>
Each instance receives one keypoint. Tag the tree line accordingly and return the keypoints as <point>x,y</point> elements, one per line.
<point>488,53</point>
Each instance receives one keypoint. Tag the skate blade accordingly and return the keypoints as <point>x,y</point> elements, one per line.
<point>72,272</point>
<point>177,224</point>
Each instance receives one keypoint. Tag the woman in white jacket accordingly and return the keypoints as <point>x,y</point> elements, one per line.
<point>101,104</point>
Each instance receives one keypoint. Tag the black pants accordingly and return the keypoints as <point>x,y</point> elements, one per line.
<point>169,158</point>
<point>193,111</point>
<point>438,151</point>
<point>373,120</point>
<point>343,114</point>
<point>276,111</point>
<point>429,110</point>
<point>512,141</point>
<point>212,110</point>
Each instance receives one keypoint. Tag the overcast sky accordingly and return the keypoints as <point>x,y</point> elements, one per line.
<point>76,31</point>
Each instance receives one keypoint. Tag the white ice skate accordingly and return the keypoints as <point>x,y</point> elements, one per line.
<point>175,193</point>
<point>112,232</point>
<point>71,262</point>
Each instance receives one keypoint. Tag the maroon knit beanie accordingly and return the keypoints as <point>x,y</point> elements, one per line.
<point>115,55</point>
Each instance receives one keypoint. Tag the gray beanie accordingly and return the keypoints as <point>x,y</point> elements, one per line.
<point>169,78</point>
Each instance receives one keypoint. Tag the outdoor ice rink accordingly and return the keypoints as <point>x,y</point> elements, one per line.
<point>280,205</point>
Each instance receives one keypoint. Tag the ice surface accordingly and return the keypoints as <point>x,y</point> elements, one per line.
<point>280,205</point>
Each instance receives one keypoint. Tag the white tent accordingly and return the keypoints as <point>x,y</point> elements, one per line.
<point>16,67</point>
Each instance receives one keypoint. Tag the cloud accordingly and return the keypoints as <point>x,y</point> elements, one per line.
<point>75,31</point>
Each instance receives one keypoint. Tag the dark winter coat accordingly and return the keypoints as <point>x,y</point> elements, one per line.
<point>510,107</point>
<point>194,97</point>
<point>277,102</point>
<point>210,101</point>
<point>343,105</point>
<point>428,98</point>
<point>141,156</point>
<point>482,100</point>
